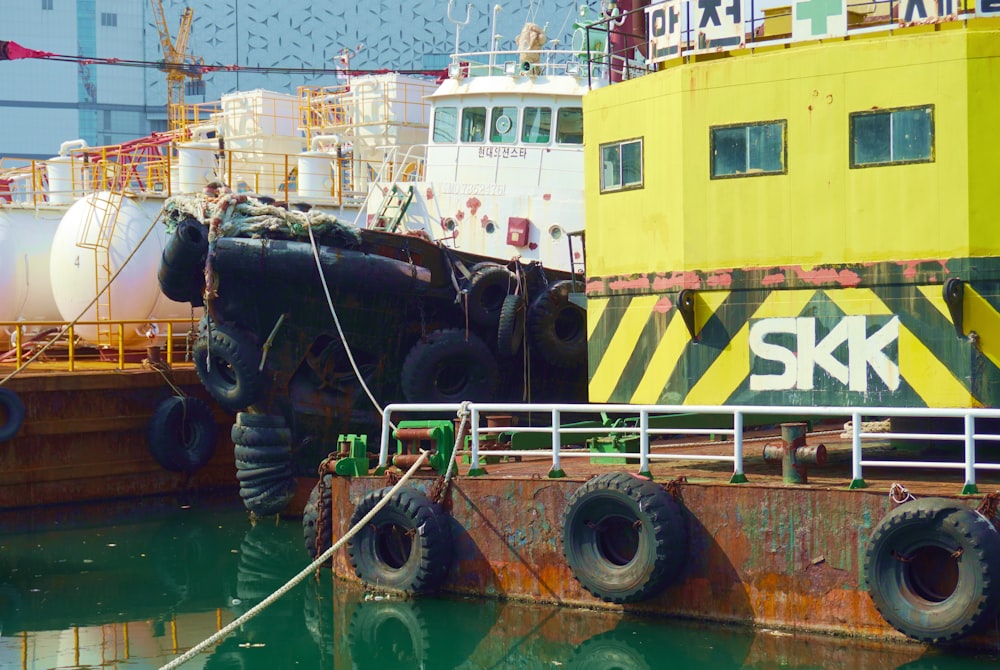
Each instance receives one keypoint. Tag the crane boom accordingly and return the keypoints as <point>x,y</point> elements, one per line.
<point>174,60</point>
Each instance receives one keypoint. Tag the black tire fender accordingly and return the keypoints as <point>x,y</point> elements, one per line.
<point>449,366</point>
<point>262,455</point>
<point>233,378</point>
<point>624,538</point>
<point>252,436</point>
<point>182,434</point>
<point>11,405</point>
<point>557,327</point>
<point>932,569</point>
<point>251,420</point>
<point>320,496</point>
<point>254,476</point>
<point>489,284</point>
<point>268,500</point>
<point>181,271</point>
<point>407,546</point>
<point>510,331</point>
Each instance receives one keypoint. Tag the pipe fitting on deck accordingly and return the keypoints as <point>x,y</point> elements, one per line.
<point>794,454</point>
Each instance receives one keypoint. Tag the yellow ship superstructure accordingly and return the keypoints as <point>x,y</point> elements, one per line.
<point>804,222</point>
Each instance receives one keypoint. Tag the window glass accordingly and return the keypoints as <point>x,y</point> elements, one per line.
<point>473,124</point>
<point>892,136</point>
<point>569,125</point>
<point>745,150</point>
<point>537,125</point>
<point>503,125</point>
<point>445,122</point>
<point>621,165</point>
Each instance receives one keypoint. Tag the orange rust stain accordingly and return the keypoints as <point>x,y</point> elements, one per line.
<point>775,279</point>
<point>720,280</point>
<point>676,281</point>
<point>846,278</point>
<point>473,204</point>
<point>460,215</point>
<point>429,193</point>
<point>623,284</point>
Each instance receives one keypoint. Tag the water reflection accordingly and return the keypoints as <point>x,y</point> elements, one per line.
<point>137,590</point>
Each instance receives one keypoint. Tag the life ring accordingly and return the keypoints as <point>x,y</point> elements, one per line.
<point>233,378</point>
<point>449,366</point>
<point>558,327</point>
<point>510,331</point>
<point>489,284</point>
<point>932,568</point>
<point>318,538</point>
<point>624,538</point>
<point>11,405</point>
<point>406,547</point>
<point>182,434</point>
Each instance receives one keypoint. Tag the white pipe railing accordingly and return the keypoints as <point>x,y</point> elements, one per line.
<point>640,427</point>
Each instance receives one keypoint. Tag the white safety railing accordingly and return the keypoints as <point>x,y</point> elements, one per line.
<point>639,425</point>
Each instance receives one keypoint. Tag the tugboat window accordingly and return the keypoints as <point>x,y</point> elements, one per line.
<point>503,126</point>
<point>537,125</point>
<point>445,123</point>
<point>748,150</point>
<point>621,166</point>
<point>569,125</point>
<point>892,136</point>
<point>473,124</point>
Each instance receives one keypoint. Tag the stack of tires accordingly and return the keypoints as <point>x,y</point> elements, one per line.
<point>181,273</point>
<point>263,453</point>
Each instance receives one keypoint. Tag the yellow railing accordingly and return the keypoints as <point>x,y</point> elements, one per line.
<point>63,350</point>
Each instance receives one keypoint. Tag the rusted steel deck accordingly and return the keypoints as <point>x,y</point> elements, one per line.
<point>760,553</point>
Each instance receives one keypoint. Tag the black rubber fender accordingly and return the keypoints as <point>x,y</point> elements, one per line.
<point>253,420</point>
<point>11,406</point>
<point>406,547</point>
<point>932,569</point>
<point>320,496</point>
<point>261,473</point>
<point>624,538</point>
<point>182,434</point>
<point>181,271</point>
<point>510,330</point>
<point>252,436</point>
<point>557,327</point>
<point>449,366</point>
<point>271,500</point>
<point>489,284</point>
<point>233,379</point>
<point>262,455</point>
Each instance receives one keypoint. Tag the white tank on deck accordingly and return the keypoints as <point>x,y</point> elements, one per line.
<point>25,288</point>
<point>77,250</point>
<point>196,161</point>
<point>316,170</point>
<point>67,174</point>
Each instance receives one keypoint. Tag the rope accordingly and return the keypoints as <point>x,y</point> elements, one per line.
<point>440,489</point>
<point>340,330</point>
<point>305,572</point>
<point>899,495</point>
<point>62,331</point>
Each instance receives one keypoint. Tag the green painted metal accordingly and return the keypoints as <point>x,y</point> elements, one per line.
<point>557,473</point>
<point>356,463</point>
<point>858,484</point>
<point>969,489</point>
<point>738,478</point>
<point>441,432</point>
<point>476,472</point>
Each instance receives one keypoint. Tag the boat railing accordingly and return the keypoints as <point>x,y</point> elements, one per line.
<point>964,427</point>
<point>134,342</point>
<point>767,25</point>
<point>534,62</point>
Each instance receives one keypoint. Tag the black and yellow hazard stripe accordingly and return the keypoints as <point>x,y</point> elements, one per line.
<point>642,351</point>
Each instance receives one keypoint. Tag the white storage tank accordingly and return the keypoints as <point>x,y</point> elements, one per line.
<point>25,288</point>
<point>79,245</point>
<point>196,161</point>
<point>67,174</point>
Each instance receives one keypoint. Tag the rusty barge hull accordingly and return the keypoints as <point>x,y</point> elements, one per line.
<point>84,439</point>
<point>761,554</point>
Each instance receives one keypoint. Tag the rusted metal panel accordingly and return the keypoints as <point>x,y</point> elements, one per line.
<point>774,556</point>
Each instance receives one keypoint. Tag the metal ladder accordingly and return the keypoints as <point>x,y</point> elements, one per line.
<point>392,209</point>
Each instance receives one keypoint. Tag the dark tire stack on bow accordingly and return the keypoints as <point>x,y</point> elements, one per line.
<point>262,447</point>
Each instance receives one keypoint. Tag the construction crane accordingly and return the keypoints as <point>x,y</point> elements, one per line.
<point>178,65</point>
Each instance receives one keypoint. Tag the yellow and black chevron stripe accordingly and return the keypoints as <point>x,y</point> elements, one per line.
<point>895,344</point>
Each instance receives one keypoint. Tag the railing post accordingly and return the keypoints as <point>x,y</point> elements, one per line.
<point>556,472</point>
<point>383,447</point>
<point>644,444</point>
<point>970,487</point>
<point>474,468</point>
<point>71,350</point>
<point>856,481</point>
<point>738,475</point>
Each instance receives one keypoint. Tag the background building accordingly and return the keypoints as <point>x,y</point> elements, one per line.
<point>43,102</point>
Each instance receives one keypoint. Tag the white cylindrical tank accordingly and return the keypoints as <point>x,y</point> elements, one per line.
<point>316,174</point>
<point>25,288</point>
<point>67,174</point>
<point>195,166</point>
<point>80,247</point>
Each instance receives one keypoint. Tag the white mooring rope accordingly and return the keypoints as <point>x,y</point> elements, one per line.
<point>320,560</point>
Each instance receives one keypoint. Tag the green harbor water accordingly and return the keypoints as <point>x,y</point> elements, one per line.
<point>136,585</point>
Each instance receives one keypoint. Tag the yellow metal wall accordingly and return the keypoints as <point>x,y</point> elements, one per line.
<point>820,212</point>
